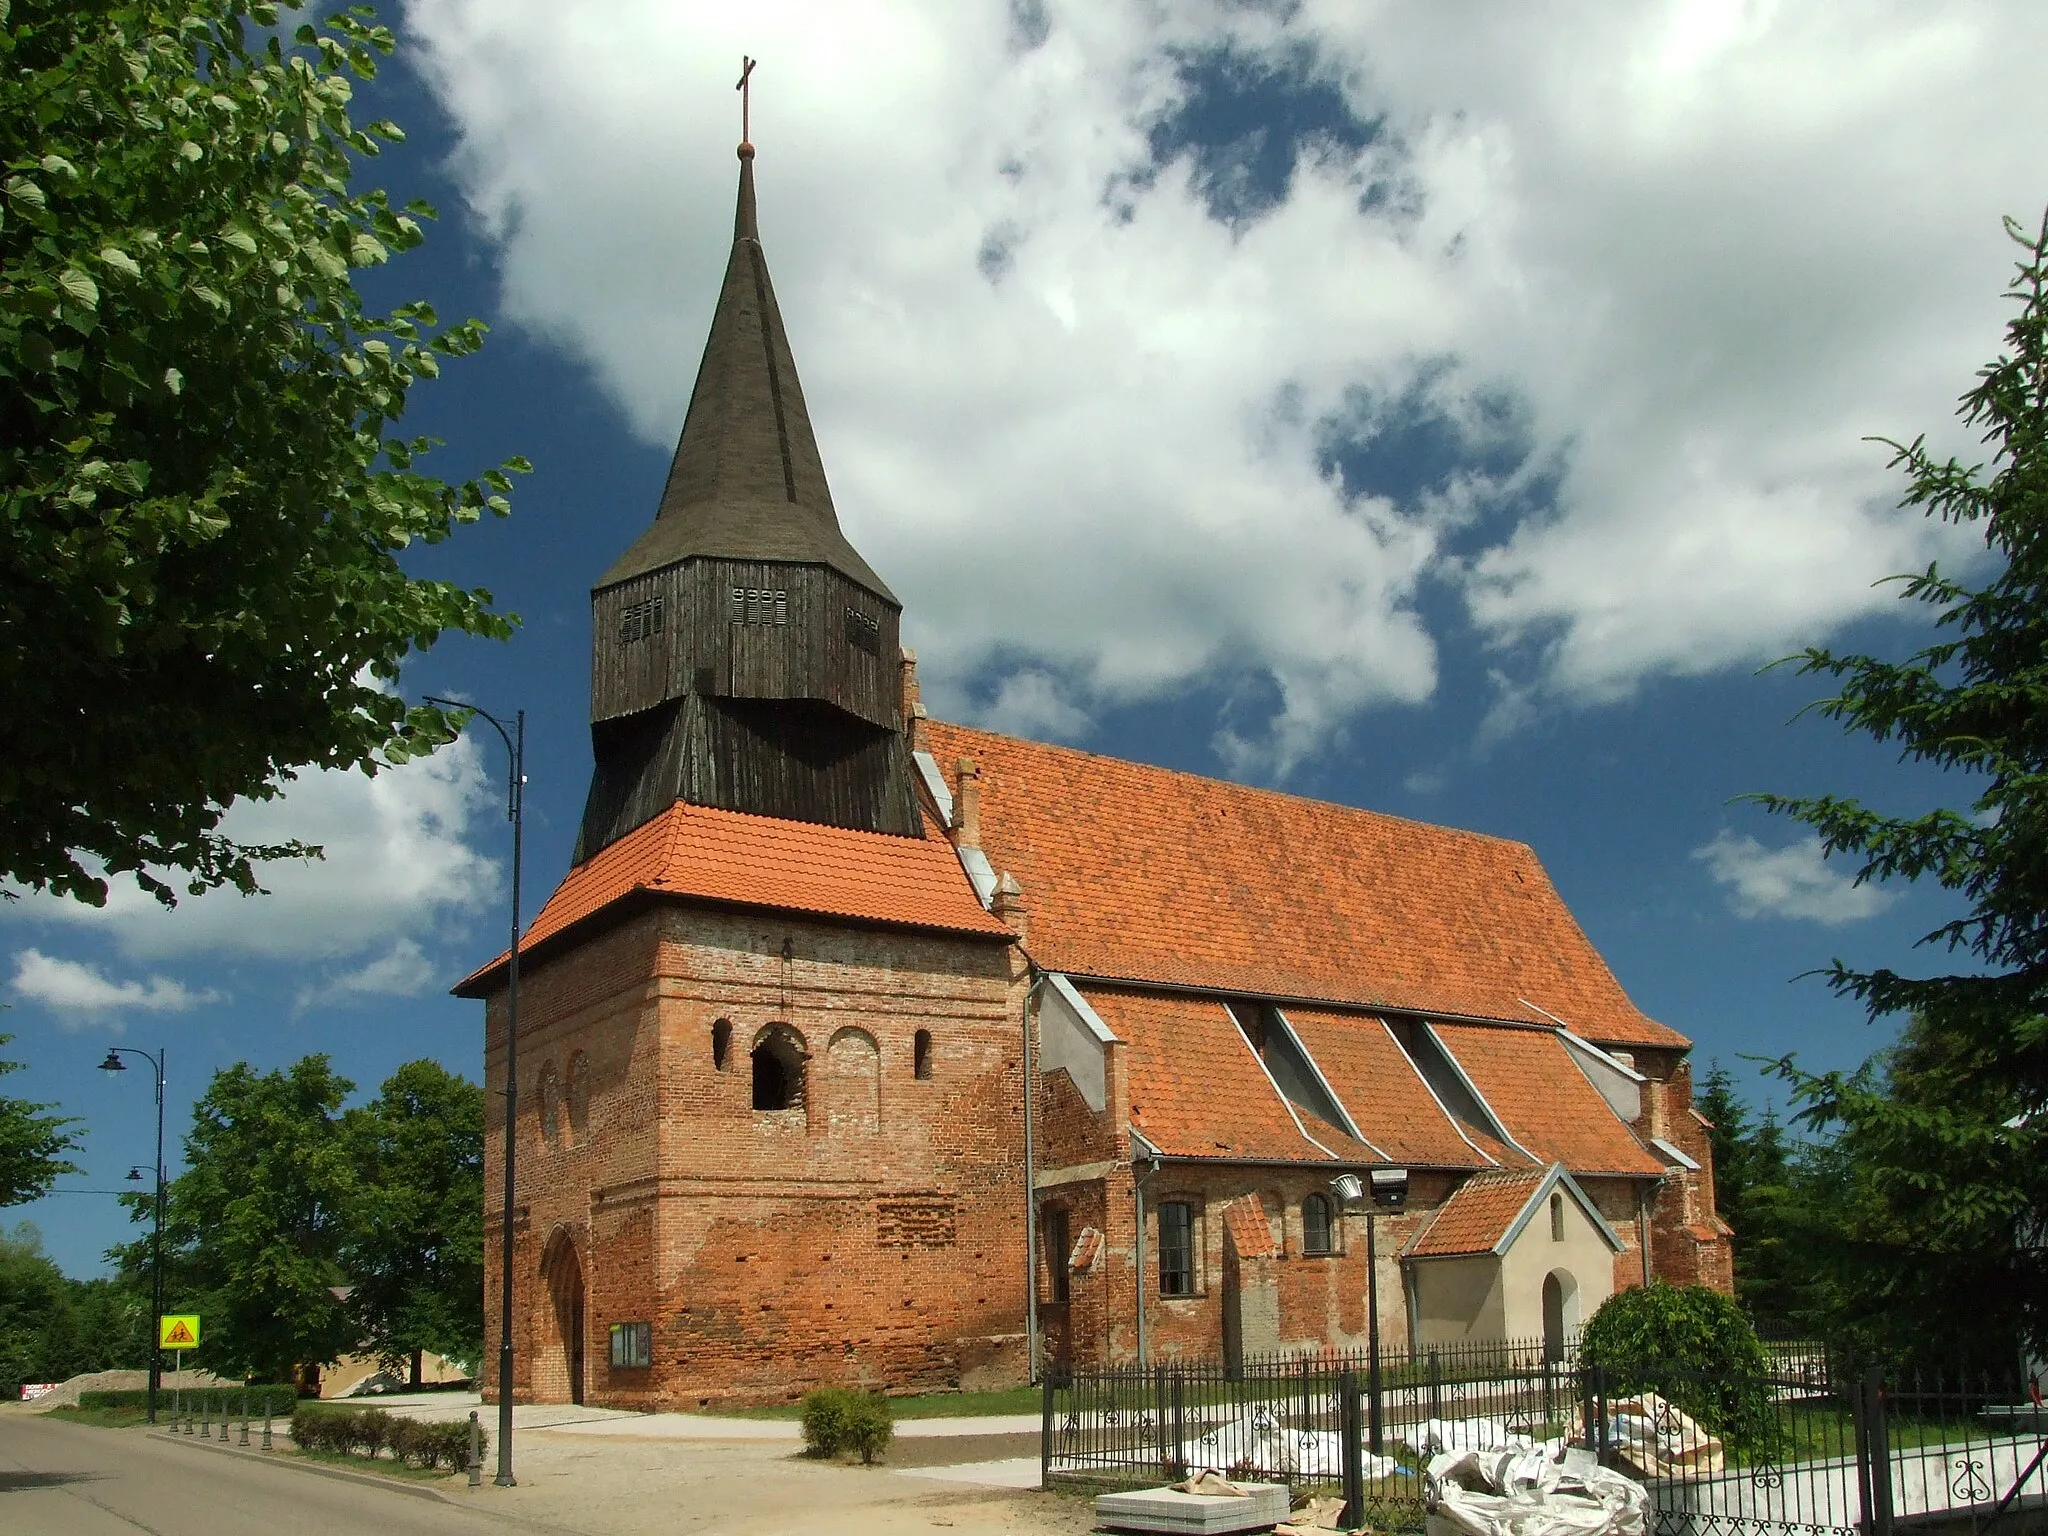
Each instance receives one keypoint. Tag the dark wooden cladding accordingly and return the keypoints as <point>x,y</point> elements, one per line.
<point>802,761</point>
<point>834,648</point>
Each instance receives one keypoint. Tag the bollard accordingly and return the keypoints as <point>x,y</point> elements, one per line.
<point>266,1421</point>
<point>245,1418</point>
<point>206,1418</point>
<point>1349,1433</point>
<point>476,1452</point>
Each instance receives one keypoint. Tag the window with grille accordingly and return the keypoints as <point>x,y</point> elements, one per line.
<point>1176,1248</point>
<point>1315,1226</point>
<point>632,1344</point>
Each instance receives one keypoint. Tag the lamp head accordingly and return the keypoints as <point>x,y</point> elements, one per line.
<point>134,1175</point>
<point>113,1063</point>
<point>1349,1190</point>
<point>1389,1188</point>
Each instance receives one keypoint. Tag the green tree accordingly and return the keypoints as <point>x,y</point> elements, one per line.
<point>32,1144</point>
<point>1755,1183</point>
<point>414,1248</point>
<point>254,1226</point>
<point>1945,1137</point>
<point>52,1327</point>
<point>1693,1346</point>
<point>201,508</point>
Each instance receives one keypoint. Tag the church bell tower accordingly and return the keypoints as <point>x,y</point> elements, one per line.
<point>743,654</point>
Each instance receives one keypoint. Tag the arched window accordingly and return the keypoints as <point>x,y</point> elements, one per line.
<point>1557,1218</point>
<point>1315,1225</point>
<point>576,1089</point>
<point>779,1058</point>
<point>548,1091</point>
<point>721,1045</point>
<point>921,1056</point>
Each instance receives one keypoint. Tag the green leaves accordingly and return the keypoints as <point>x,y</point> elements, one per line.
<point>176,308</point>
<point>1936,1140</point>
<point>33,1145</point>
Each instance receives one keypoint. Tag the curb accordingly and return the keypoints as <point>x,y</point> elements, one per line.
<point>339,1474</point>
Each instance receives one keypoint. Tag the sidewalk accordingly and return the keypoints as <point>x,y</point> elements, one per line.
<point>575,1419</point>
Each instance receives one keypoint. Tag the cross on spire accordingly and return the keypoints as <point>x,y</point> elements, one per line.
<point>746,93</point>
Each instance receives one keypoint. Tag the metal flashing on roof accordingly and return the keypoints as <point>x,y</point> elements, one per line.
<point>1139,1145</point>
<point>1620,1086</point>
<point>1605,1055</point>
<point>935,783</point>
<point>1429,1088</point>
<point>1559,1177</point>
<point>1500,1128</point>
<point>1673,1153</point>
<point>1344,1120</point>
<point>980,871</point>
<point>1071,996</point>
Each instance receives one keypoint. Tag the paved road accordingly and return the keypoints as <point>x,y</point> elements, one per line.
<point>73,1480</point>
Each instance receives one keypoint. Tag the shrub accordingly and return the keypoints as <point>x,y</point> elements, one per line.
<point>837,1419</point>
<point>1692,1346</point>
<point>824,1419</point>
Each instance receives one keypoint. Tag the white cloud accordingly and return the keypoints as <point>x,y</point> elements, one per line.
<point>1706,247</point>
<point>1032,702</point>
<point>398,863</point>
<point>71,986</point>
<point>401,971</point>
<point>1793,881</point>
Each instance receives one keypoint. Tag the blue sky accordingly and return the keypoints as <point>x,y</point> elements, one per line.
<point>1445,410</point>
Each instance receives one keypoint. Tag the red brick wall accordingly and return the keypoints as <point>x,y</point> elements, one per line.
<point>872,1235</point>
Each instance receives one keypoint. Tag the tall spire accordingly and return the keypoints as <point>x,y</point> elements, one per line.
<point>747,481</point>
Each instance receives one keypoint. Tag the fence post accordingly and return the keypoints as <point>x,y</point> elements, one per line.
<point>1180,1429</point>
<point>1436,1385</point>
<point>1349,1434</point>
<point>1600,1439</point>
<point>1858,1393</point>
<point>1045,1434</point>
<point>1880,1455</point>
<point>1166,1456</point>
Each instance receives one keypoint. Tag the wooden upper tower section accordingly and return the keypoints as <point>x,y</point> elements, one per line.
<point>743,654</point>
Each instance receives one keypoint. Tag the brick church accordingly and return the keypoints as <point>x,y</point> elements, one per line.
<point>857,1047</point>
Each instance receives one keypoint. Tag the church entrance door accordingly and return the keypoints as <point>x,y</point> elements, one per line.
<point>565,1289</point>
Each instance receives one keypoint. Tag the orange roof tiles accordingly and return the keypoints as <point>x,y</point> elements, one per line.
<point>1197,1088</point>
<point>1377,1083</point>
<point>1478,1214</point>
<point>1544,1100</point>
<point>696,852</point>
<point>1250,1233</point>
<point>1143,874</point>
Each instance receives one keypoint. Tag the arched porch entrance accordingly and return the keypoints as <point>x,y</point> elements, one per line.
<point>1560,1312</point>
<point>562,1272</point>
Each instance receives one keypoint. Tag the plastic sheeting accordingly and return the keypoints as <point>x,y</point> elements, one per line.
<point>1523,1491</point>
<point>1257,1441</point>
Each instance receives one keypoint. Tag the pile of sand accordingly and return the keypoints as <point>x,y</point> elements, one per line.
<point>66,1395</point>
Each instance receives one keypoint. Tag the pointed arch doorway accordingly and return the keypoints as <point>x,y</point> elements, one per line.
<point>563,1273</point>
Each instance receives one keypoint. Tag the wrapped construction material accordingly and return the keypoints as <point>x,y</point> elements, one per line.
<point>1523,1491</point>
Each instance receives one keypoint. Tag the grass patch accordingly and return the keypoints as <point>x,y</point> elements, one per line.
<point>925,1405</point>
<point>104,1418</point>
<point>379,1466</point>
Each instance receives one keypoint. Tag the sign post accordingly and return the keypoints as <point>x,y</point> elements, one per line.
<point>177,1332</point>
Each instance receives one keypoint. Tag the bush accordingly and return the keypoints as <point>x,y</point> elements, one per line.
<point>837,1419</point>
<point>282,1399</point>
<point>1692,1346</point>
<point>369,1431</point>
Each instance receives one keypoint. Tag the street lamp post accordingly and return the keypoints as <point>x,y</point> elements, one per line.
<point>1389,1192</point>
<point>113,1063</point>
<point>515,804</point>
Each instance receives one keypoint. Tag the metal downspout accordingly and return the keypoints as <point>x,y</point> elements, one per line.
<point>1138,1247</point>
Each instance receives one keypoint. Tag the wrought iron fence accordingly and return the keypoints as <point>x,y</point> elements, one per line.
<point>1807,1448</point>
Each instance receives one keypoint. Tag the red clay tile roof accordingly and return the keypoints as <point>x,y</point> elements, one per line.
<point>697,852</point>
<point>1251,1234</point>
<point>1142,874</point>
<point>1545,1100</point>
<point>1478,1214</point>
<point>1374,1079</point>
<point>1197,1088</point>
